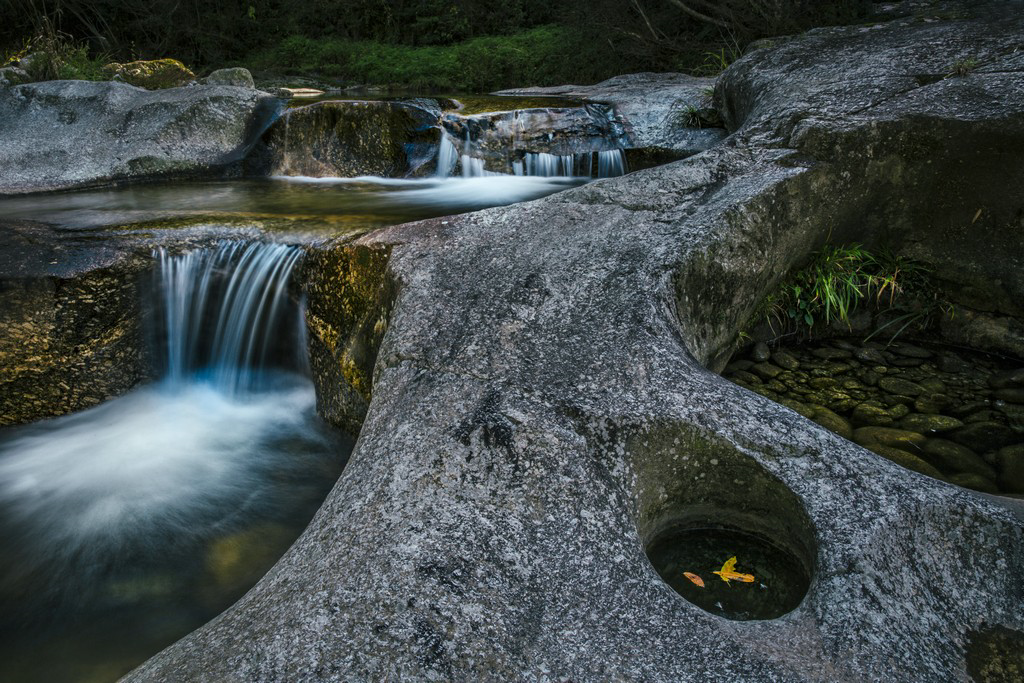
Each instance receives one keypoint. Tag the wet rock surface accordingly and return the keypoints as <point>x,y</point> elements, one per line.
<point>542,402</point>
<point>656,108</point>
<point>64,134</point>
<point>350,138</point>
<point>70,323</point>
<point>941,417</point>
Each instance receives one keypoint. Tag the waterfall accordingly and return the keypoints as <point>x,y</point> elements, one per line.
<point>223,311</point>
<point>611,163</point>
<point>447,156</point>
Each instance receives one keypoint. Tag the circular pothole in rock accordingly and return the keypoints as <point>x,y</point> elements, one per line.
<point>705,509</point>
<point>729,572</point>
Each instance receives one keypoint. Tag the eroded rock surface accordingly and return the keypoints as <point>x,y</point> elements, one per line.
<point>542,406</point>
<point>63,134</point>
<point>657,108</point>
<point>70,322</point>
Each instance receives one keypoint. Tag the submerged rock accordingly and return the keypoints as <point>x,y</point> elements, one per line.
<point>64,134</point>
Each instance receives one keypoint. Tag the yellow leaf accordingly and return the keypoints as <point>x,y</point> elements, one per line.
<point>728,572</point>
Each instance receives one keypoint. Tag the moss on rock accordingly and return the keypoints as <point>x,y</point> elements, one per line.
<point>154,74</point>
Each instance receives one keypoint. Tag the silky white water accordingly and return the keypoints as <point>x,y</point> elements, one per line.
<point>114,520</point>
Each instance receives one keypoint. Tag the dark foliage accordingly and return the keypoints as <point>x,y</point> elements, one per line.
<point>601,37</point>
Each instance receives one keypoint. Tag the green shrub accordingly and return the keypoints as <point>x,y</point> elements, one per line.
<point>837,280</point>
<point>538,56</point>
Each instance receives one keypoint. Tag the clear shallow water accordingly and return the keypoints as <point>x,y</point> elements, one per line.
<point>780,580</point>
<point>130,524</point>
<point>318,205</point>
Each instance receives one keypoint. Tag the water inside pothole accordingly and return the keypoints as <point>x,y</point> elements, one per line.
<point>776,579</point>
<point>950,413</point>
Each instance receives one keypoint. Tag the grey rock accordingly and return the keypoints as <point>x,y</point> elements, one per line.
<point>652,107</point>
<point>13,75</point>
<point>543,405</point>
<point>64,134</point>
<point>349,139</point>
<point>238,77</point>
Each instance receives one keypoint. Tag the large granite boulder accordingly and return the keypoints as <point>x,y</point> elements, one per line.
<point>350,138</point>
<point>541,409</point>
<point>63,134</point>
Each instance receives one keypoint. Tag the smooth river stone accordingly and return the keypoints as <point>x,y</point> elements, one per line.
<point>1006,380</point>
<point>905,459</point>
<point>894,438</point>
<point>871,416</point>
<point>1010,394</point>
<point>976,482</point>
<point>950,456</point>
<point>760,353</point>
<point>1010,461</point>
<point>766,370</point>
<point>931,403</point>
<point>785,360</point>
<point>832,422</point>
<point>984,436</point>
<point>927,424</point>
<point>900,387</point>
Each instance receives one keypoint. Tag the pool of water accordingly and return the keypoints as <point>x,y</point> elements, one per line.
<point>128,525</point>
<point>310,205</point>
<point>779,580</point>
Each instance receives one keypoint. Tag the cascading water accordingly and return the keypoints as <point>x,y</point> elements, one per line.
<point>245,315</point>
<point>127,525</point>
<point>610,163</point>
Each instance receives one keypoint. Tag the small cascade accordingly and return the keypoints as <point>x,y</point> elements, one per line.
<point>224,310</point>
<point>611,163</point>
<point>447,156</point>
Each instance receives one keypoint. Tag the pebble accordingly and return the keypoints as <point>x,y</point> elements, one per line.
<point>902,387</point>
<point>785,360</point>
<point>896,400</point>
<point>766,370</point>
<point>954,458</point>
<point>924,424</point>
<point>984,436</point>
